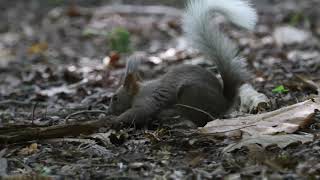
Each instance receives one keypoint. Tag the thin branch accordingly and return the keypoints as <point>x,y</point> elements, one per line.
<point>309,83</point>
<point>196,109</point>
<point>33,111</point>
<point>85,112</point>
<point>14,135</point>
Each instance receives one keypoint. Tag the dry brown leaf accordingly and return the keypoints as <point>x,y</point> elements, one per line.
<point>33,148</point>
<point>38,48</point>
<point>112,59</point>
<point>288,119</point>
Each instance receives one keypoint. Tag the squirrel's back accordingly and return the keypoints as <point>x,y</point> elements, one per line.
<point>191,74</point>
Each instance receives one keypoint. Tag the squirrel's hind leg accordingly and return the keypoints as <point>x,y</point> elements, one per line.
<point>174,118</point>
<point>199,106</point>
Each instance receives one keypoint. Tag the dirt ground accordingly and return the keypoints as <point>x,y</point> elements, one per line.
<point>55,60</point>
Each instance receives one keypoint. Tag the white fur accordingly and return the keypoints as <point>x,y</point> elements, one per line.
<point>213,43</point>
<point>239,12</point>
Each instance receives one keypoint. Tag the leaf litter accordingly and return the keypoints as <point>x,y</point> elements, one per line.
<point>59,67</point>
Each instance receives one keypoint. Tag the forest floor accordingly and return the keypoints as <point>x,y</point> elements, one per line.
<point>56,59</point>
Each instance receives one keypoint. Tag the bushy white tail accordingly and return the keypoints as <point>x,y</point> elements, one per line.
<point>213,43</point>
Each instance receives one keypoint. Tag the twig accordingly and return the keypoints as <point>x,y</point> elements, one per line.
<point>309,83</point>
<point>33,111</point>
<point>63,112</point>
<point>57,140</point>
<point>196,109</point>
<point>84,112</point>
<point>45,113</point>
<point>14,135</point>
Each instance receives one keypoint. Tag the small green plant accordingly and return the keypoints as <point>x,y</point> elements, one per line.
<point>280,89</point>
<point>119,40</point>
<point>296,19</point>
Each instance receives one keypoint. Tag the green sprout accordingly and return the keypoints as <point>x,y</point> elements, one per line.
<point>296,19</point>
<point>280,89</point>
<point>119,40</point>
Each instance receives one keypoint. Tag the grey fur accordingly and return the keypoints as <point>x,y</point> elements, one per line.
<point>133,63</point>
<point>189,85</point>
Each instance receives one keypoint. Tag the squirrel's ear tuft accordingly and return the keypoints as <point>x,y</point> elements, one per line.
<point>131,83</point>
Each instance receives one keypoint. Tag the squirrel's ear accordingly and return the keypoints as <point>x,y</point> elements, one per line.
<point>131,75</point>
<point>131,83</point>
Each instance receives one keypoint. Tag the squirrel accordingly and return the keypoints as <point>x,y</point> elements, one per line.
<point>135,102</point>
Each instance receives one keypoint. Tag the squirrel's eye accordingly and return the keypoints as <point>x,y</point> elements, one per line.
<point>115,98</point>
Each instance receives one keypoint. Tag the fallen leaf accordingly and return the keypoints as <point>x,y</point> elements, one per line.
<point>56,90</point>
<point>112,59</point>
<point>195,161</point>
<point>288,119</point>
<point>287,35</point>
<point>38,48</point>
<point>104,137</point>
<point>73,10</point>
<point>154,138</point>
<point>33,148</point>
<point>118,138</point>
<point>281,141</point>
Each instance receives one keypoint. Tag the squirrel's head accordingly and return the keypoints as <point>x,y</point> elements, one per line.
<point>124,96</point>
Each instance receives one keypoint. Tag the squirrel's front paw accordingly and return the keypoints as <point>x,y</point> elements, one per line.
<point>120,122</point>
<point>116,124</point>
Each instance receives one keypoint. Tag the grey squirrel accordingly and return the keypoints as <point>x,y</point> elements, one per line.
<point>193,86</point>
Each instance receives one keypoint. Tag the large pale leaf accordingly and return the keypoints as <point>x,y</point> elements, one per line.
<point>288,119</point>
<point>281,141</point>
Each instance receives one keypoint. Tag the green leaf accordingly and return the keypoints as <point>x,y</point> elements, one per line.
<point>280,89</point>
<point>296,19</point>
<point>119,40</point>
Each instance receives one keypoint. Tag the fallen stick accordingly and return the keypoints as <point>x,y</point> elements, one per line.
<point>60,112</point>
<point>85,112</point>
<point>15,135</point>
<point>309,83</point>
